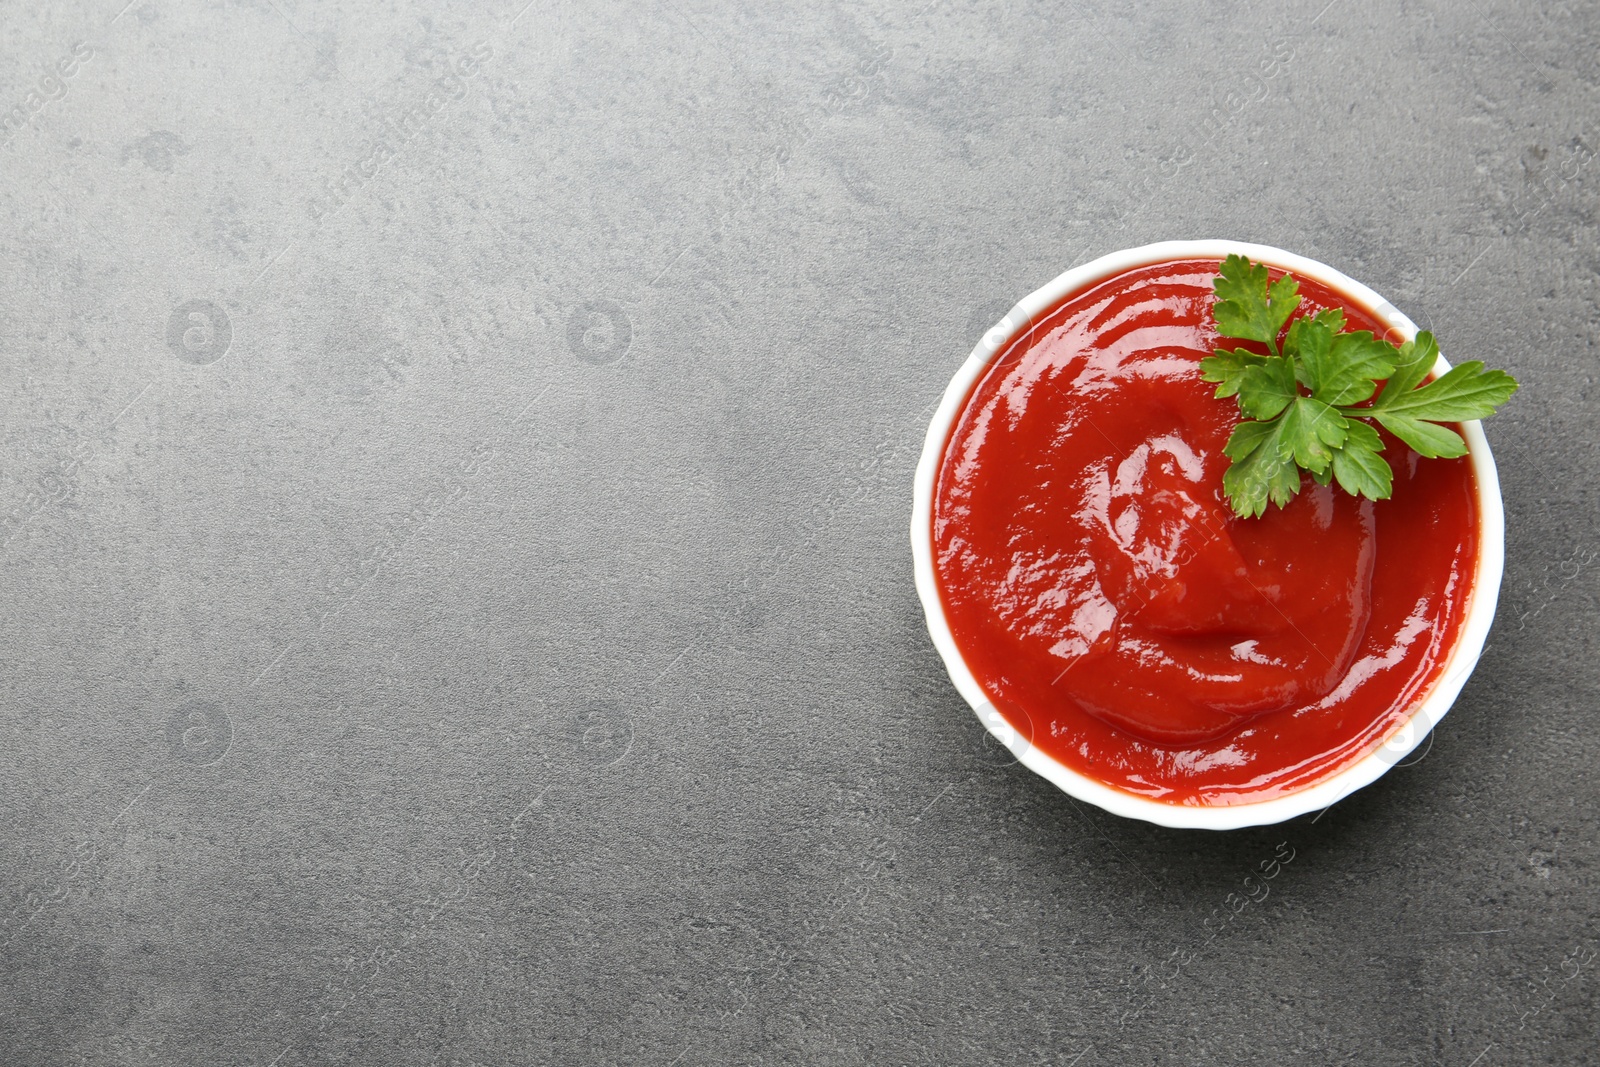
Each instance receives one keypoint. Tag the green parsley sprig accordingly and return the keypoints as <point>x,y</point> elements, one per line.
<point>1306,399</point>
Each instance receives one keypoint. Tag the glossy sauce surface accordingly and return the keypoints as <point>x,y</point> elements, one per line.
<point>1123,619</point>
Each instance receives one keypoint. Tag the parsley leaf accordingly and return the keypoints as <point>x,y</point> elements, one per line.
<point>1228,368</point>
<point>1305,402</point>
<point>1413,361</point>
<point>1338,368</point>
<point>1466,391</point>
<point>1260,471</point>
<point>1428,438</point>
<point>1358,467</point>
<point>1247,307</point>
<point>1267,388</point>
<point>1312,430</point>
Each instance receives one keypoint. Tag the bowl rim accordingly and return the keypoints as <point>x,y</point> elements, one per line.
<point>1482,597</point>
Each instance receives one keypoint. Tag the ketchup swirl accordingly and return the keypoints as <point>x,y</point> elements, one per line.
<point>1116,610</point>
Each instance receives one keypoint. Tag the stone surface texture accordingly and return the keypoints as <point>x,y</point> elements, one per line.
<point>457,602</point>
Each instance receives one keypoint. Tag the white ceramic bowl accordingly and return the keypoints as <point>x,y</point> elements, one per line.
<point>1400,743</point>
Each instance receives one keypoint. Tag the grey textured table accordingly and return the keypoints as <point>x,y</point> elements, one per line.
<point>455,477</point>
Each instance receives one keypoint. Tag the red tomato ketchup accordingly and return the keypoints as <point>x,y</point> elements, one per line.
<point>1116,611</point>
